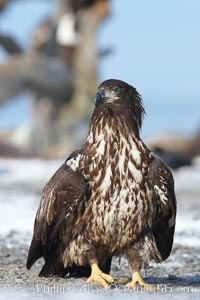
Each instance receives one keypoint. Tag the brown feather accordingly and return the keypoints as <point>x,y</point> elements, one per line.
<point>63,196</point>
<point>164,222</point>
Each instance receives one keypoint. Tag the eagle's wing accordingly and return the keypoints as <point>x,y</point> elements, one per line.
<point>63,202</point>
<point>162,183</point>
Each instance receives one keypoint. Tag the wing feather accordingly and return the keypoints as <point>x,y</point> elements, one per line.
<point>162,182</point>
<point>63,201</point>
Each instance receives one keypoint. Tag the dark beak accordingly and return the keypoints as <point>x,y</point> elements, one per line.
<point>100,98</point>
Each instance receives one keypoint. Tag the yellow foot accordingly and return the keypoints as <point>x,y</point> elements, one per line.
<point>99,277</point>
<point>136,278</point>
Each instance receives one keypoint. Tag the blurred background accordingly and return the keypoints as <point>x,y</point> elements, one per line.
<point>53,55</point>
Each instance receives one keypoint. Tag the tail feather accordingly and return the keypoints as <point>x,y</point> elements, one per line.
<point>54,265</point>
<point>52,268</point>
<point>35,252</point>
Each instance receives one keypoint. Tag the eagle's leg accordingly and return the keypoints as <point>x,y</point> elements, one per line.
<point>135,263</point>
<point>99,277</point>
<point>136,278</point>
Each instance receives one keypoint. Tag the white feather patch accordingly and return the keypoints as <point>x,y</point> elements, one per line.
<point>137,174</point>
<point>107,181</point>
<point>122,161</point>
<point>114,197</point>
<point>135,152</point>
<point>101,148</point>
<point>161,193</point>
<point>74,162</point>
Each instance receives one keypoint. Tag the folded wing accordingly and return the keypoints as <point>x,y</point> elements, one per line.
<point>62,204</point>
<point>162,182</point>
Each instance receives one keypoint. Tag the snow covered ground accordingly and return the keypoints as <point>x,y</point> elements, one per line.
<point>21,183</point>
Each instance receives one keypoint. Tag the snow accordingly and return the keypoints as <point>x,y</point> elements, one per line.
<point>187,230</point>
<point>14,171</point>
<point>18,216</point>
<point>21,183</point>
<point>188,178</point>
<point>99,294</point>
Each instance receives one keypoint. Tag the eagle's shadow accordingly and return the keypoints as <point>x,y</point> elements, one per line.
<point>170,281</point>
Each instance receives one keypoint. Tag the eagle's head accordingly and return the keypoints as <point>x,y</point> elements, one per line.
<point>119,98</point>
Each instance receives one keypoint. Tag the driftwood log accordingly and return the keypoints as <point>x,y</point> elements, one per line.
<point>61,79</point>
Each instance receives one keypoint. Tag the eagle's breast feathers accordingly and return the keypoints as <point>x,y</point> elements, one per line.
<point>121,205</point>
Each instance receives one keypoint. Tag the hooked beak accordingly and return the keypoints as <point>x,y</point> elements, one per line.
<point>105,96</point>
<point>100,98</point>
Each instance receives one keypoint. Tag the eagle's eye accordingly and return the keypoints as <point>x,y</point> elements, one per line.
<point>116,90</point>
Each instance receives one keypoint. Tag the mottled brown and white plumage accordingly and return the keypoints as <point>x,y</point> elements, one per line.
<point>111,197</point>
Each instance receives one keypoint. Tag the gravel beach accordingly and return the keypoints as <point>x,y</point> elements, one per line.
<point>20,193</point>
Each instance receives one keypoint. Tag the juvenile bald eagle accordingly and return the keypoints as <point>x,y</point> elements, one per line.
<point>111,197</point>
